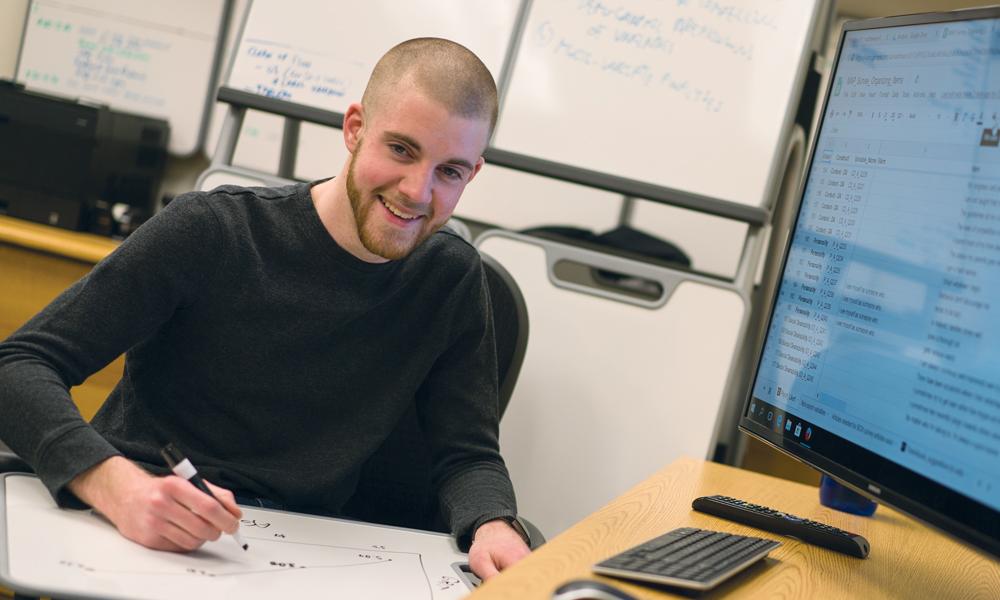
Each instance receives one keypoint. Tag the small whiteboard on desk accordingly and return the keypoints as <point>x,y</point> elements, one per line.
<point>692,95</point>
<point>144,56</point>
<point>320,52</point>
<point>48,551</point>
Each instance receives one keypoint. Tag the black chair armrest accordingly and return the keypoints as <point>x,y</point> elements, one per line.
<point>535,536</point>
<point>10,462</point>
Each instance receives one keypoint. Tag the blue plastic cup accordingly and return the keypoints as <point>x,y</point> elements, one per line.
<point>844,499</point>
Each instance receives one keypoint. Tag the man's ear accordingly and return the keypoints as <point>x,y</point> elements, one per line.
<point>354,124</point>
<point>475,169</point>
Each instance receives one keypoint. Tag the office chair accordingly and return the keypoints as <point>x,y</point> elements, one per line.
<point>395,484</point>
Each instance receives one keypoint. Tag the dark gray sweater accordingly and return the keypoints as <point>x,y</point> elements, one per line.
<point>276,359</point>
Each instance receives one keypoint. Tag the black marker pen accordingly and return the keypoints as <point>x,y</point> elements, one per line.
<point>183,468</point>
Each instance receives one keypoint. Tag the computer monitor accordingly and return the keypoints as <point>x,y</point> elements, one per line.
<point>880,363</point>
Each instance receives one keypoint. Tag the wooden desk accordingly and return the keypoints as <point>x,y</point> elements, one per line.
<point>907,559</point>
<point>37,262</point>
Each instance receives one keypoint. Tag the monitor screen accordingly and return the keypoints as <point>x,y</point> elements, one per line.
<point>881,359</point>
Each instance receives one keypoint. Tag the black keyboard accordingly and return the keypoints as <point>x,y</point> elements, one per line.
<point>691,558</point>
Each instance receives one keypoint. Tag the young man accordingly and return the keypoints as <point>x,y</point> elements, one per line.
<point>277,335</point>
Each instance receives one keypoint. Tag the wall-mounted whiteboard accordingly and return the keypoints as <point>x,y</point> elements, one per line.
<point>143,56</point>
<point>321,52</point>
<point>694,95</point>
<point>67,553</point>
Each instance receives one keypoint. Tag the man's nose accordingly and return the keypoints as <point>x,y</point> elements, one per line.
<point>417,183</point>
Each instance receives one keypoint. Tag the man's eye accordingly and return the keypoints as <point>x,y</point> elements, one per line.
<point>398,149</point>
<point>451,173</point>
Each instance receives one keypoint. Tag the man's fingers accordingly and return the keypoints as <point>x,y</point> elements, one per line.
<point>514,555</point>
<point>153,537</point>
<point>184,541</point>
<point>205,509</point>
<point>162,543</point>
<point>496,546</point>
<point>505,560</point>
<point>226,498</point>
<point>175,510</point>
<point>481,563</point>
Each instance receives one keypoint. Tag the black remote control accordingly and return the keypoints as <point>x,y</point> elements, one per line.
<point>775,521</point>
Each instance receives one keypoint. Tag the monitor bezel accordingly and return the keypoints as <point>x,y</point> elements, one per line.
<point>877,477</point>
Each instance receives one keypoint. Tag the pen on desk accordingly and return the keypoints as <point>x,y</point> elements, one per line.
<point>183,468</point>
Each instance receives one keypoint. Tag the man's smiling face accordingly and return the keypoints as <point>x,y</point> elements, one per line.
<point>409,165</point>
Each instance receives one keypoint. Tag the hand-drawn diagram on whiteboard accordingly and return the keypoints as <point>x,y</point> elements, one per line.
<point>44,549</point>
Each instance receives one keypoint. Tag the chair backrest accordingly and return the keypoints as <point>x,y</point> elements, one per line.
<point>510,322</point>
<point>215,176</point>
<point>395,484</point>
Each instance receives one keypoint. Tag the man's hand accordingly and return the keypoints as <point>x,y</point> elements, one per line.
<point>163,513</point>
<point>495,546</point>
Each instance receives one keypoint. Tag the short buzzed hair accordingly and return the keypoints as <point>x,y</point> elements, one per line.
<point>444,70</point>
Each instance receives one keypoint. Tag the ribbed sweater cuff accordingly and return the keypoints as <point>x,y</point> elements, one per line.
<point>68,454</point>
<point>464,538</point>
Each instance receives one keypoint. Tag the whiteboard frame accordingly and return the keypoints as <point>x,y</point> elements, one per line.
<point>236,42</point>
<point>213,79</point>
<point>753,215</point>
<point>507,67</point>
